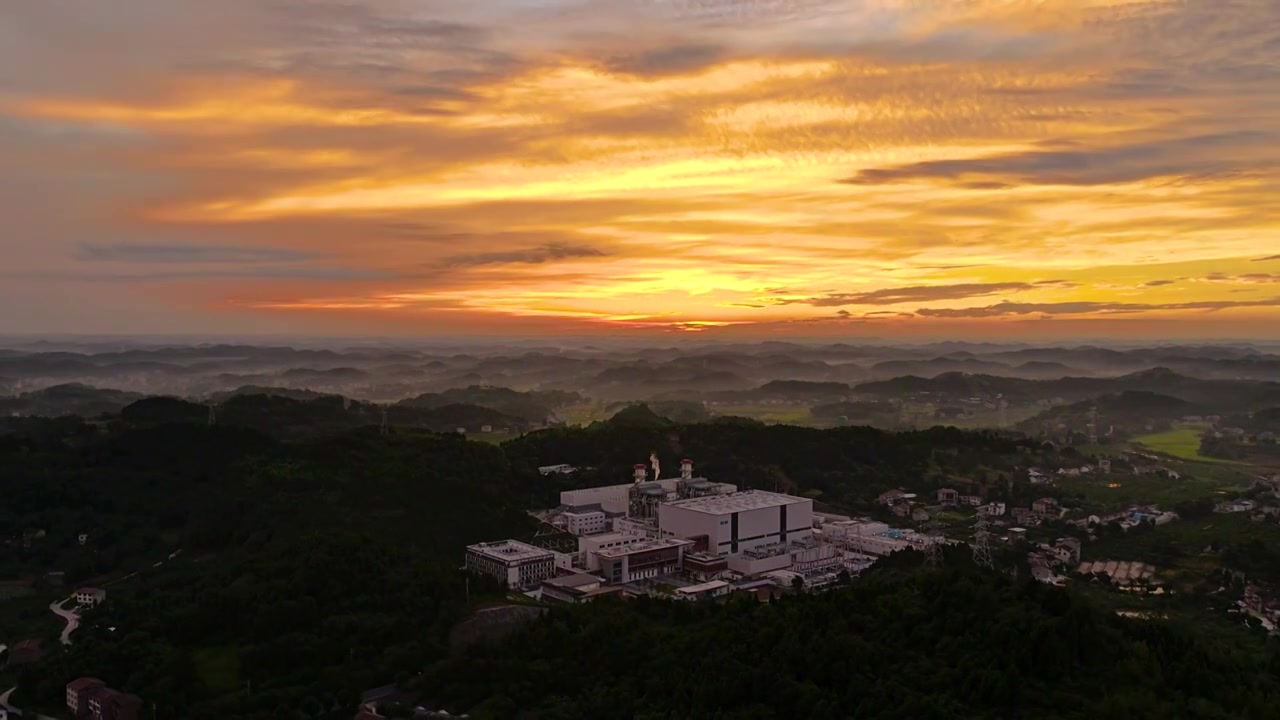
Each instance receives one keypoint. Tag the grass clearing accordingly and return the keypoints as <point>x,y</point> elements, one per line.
<point>1099,495</point>
<point>1180,443</point>
<point>218,668</point>
<point>778,414</point>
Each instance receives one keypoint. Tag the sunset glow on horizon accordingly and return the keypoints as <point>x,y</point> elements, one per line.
<point>995,168</point>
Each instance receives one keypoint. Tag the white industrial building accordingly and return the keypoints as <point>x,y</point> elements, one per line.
<point>587,522</point>
<point>642,560</point>
<point>610,498</point>
<point>713,589</point>
<point>515,564</point>
<point>738,521</point>
<point>872,538</point>
<point>590,545</point>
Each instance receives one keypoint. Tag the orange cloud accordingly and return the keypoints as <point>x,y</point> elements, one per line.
<point>724,166</point>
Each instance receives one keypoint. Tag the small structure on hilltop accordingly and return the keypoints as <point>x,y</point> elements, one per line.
<point>90,596</point>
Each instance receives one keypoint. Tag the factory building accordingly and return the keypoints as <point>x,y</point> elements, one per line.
<point>515,564</point>
<point>610,498</point>
<point>640,497</point>
<point>643,560</point>
<point>761,559</point>
<point>589,546</point>
<point>871,538</point>
<point>588,522</point>
<point>738,521</point>
<point>575,588</point>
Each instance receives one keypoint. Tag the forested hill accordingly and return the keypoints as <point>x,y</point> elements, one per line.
<point>319,567</point>
<point>898,643</point>
<point>845,466</point>
<point>314,570</point>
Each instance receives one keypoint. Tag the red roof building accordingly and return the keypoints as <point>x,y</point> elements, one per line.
<point>26,652</point>
<point>76,690</point>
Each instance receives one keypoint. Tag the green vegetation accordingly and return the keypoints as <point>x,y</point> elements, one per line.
<point>311,570</point>
<point>1097,494</point>
<point>1181,443</point>
<point>218,668</point>
<point>319,560</point>
<point>779,414</point>
<point>896,644</point>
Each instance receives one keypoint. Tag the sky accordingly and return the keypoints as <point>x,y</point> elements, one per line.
<point>995,169</point>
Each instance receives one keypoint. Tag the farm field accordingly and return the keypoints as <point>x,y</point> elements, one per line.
<point>787,414</point>
<point>1181,443</point>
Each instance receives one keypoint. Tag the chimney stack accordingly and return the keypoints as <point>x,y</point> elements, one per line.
<point>686,469</point>
<point>641,472</point>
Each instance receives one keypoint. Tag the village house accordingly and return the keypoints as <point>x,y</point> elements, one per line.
<point>1046,506</point>
<point>971,500</point>
<point>1067,551</point>
<point>948,497</point>
<point>995,509</point>
<point>90,596</point>
<point>91,698</point>
<point>1024,516</point>
<point>1235,506</point>
<point>1258,603</point>
<point>889,498</point>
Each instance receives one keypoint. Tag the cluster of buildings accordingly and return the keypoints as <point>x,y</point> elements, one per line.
<point>1262,606</point>
<point>1123,573</point>
<point>1132,517</point>
<point>687,535</point>
<point>91,698</point>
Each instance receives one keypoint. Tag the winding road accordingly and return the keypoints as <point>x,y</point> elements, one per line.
<point>73,620</point>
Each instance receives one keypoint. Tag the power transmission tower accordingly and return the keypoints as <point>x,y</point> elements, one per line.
<point>982,545</point>
<point>1004,410</point>
<point>1093,424</point>
<point>384,428</point>
<point>934,543</point>
<point>213,416</point>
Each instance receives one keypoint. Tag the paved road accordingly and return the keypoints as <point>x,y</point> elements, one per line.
<point>13,711</point>
<point>73,620</point>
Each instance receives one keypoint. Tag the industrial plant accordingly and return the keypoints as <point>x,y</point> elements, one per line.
<point>686,537</point>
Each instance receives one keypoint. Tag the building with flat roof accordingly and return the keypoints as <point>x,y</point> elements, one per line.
<point>713,589</point>
<point>642,560</point>
<point>575,588</point>
<point>609,498</point>
<point>515,564</point>
<point>587,522</point>
<point>705,566</point>
<point>738,521</point>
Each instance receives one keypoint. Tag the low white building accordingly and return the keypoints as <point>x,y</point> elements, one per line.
<point>760,560</point>
<point>610,498</point>
<point>515,564</point>
<point>586,523</point>
<point>713,589</point>
<point>642,561</point>
<point>589,546</point>
<point>995,509</point>
<point>90,596</point>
